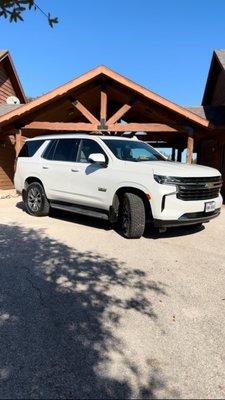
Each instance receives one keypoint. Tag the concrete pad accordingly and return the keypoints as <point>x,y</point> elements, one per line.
<point>85,313</point>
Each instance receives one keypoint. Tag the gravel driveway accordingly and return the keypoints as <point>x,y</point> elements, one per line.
<point>87,314</point>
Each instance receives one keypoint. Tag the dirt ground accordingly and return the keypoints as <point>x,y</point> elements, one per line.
<point>85,313</point>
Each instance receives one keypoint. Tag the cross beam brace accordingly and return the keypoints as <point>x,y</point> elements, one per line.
<point>89,127</point>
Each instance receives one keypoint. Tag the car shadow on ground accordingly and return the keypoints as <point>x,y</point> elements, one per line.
<point>150,232</point>
<point>60,311</point>
<point>153,233</point>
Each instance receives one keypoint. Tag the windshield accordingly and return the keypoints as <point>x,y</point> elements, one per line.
<point>133,150</point>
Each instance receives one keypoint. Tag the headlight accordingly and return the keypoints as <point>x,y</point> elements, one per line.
<point>167,180</point>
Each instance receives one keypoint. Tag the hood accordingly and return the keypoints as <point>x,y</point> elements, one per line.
<point>170,168</point>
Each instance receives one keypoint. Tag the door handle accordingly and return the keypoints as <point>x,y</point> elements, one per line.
<point>44,167</point>
<point>74,170</point>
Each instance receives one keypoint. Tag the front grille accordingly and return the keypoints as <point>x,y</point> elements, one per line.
<point>190,189</point>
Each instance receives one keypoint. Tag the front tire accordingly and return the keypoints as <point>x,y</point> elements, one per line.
<point>36,201</point>
<point>132,216</point>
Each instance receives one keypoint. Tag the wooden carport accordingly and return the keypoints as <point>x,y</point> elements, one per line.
<point>104,101</point>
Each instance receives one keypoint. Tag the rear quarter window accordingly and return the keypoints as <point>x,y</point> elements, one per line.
<point>30,148</point>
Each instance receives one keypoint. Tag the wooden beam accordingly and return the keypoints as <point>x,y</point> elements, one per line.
<point>139,127</point>
<point>190,149</point>
<point>90,117</point>
<point>119,114</point>
<point>61,126</point>
<point>103,108</point>
<point>18,141</point>
<point>83,126</point>
<point>157,145</point>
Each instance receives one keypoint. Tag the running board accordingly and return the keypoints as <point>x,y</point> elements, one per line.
<point>80,210</point>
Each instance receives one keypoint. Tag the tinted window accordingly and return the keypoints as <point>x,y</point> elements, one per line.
<point>49,151</point>
<point>88,147</point>
<point>66,150</point>
<point>30,148</point>
<point>133,150</point>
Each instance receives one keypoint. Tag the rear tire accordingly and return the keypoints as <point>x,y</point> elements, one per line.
<point>132,216</point>
<point>36,201</point>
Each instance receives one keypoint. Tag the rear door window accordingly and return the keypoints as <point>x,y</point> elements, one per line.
<point>66,150</point>
<point>30,148</point>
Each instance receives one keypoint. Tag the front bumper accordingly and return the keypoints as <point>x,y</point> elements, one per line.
<point>187,219</point>
<point>165,204</point>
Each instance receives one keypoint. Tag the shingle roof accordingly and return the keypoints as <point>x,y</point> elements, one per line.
<point>6,108</point>
<point>213,114</point>
<point>221,56</point>
<point>3,53</point>
<point>217,65</point>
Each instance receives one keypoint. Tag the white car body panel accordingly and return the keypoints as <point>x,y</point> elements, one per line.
<point>95,185</point>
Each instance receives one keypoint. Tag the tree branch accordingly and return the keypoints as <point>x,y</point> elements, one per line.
<point>13,10</point>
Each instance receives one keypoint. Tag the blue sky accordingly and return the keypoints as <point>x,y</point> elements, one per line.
<point>164,45</point>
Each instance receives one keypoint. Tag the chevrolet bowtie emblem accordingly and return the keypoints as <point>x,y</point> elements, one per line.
<point>209,185</point>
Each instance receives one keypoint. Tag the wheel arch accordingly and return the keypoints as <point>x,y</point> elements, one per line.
<point>31,179</point>
<point>139,192</point>
<point>28,181</point>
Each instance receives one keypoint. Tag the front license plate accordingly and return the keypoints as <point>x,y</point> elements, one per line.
<point>210,206</point>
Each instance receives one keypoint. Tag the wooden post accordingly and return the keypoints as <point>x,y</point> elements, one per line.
<point>103,108</point>
<point>190,145</point>
<point>173,154</point>
<point>179,154</point>
<point>18,141</point>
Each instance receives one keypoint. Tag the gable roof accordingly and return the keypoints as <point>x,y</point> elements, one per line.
<point>214,114</point>
<point>100,71</point>
<point>221,56</point>
<point>216,67</point>
<point>9,66</point>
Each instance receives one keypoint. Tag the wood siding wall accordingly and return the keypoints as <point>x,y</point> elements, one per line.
<point>7,159</point>
<point>212,154</point>
<point>6,88</point>
<point>218,96</point>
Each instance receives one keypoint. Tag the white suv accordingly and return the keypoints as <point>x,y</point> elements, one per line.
<point>123,180</point>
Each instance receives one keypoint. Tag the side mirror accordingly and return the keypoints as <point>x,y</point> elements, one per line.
<point>97,158</point>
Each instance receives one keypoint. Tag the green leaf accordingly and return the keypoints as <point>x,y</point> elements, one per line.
<point>13,10</point>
